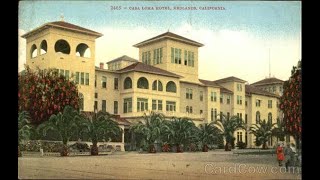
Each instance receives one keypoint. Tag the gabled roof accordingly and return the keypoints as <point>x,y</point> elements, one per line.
<point>209,83</point>
<point>65,26</point>
<point>214,84</point>
<point>169,35</point>
<point>225,90</point>
<point>123,58</point>
<point>230,79</point>
<point>268,81</point>
<point>254,90</point>
<point>141,67</point>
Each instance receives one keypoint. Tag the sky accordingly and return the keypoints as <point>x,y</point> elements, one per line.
<point>241,39</point>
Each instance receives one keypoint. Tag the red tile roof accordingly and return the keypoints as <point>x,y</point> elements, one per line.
<point>121,120</point>
<point>268,81</point>
<point>63,25</point>
<point>254,90</point>
<point>209,83</point>
<point>212,83</point>
<point>123,58</point>
<point>230,79</point>
<point>169,35</point>
<point>141,67</point>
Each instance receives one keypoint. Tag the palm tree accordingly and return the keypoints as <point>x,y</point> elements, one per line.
<point>227,127</point>
<point>262,131</point>
<point>180,132</point>
<point>24,128</point>
<point>65,124</point>
<point>150,129</point>
<point>207,134</point>
<point>278,130</point>
<point>98,127</point>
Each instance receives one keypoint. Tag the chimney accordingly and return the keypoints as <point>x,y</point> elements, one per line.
<point>101,65</point>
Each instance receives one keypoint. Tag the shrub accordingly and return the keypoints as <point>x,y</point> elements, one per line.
<point>165,147</point>
<point>241,145</point>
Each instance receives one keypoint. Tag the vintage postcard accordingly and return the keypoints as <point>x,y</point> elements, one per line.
<point>159,90</point>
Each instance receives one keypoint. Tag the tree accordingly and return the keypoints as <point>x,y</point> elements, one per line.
<point>291,104</point>
<point>23,128</point>
<point>65,124</point>
<point>227,128</point>
<point>150,129</point>
<point>263,132</point>
<point>279,131</point>
<point>45,93</point>
<point>98,127</point>
<point>207,134</point>
<point>180,132</point>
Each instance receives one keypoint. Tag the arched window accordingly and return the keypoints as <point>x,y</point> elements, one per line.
<point>62,46</point>
<point>81,102</point>
<point>43,47</point>
<point>83,50</point>
<point>127,83</point>
<point>33,50</point>
<point>171,87</point>
<point>157,85</point>
<point>143,83</point>
<point>270,117</point>
<point>257,117</point>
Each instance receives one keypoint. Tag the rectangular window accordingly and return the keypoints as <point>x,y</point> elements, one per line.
<point>201,111</point>
<point>189,93</point>
<point>246,102</point>
<point>239,100</point>
<point>211,114</point>
<point>185,58</point>
<point>201,95</point>
<point>228,115</point>
<point>104,82</point>
<point>187,109</point>
<point>171,106</point>
<point>191,109</point>
<point>211,96</point>
<point>189,58</point>
<point>142,104</point>
<point>176,55</point>
<point>146,57</point>
<point>82,78</point>
<point>116,83</point>
<point>160,105</point>
<point>221,98</point>
<point>157,56</point>
<point>87,78</point>
<point>258,103</point>
<point>104,106</point>
<point>95,105</point>
<point>77,77</point>
<point>215,114</point>
<point>95,95</point>
<point>269,103</point>
<point>61,72</point>
<point>228,99</point>
<point>273,89</point>
<point>127,105</point>
<point>215,96</point>
<point>154,104</point>
<point>115,107</point>
<point>95,81</point>
<point>67,74</point>
<point>192,59</point>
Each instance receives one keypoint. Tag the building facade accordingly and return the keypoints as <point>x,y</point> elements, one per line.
<point>165,79</point>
